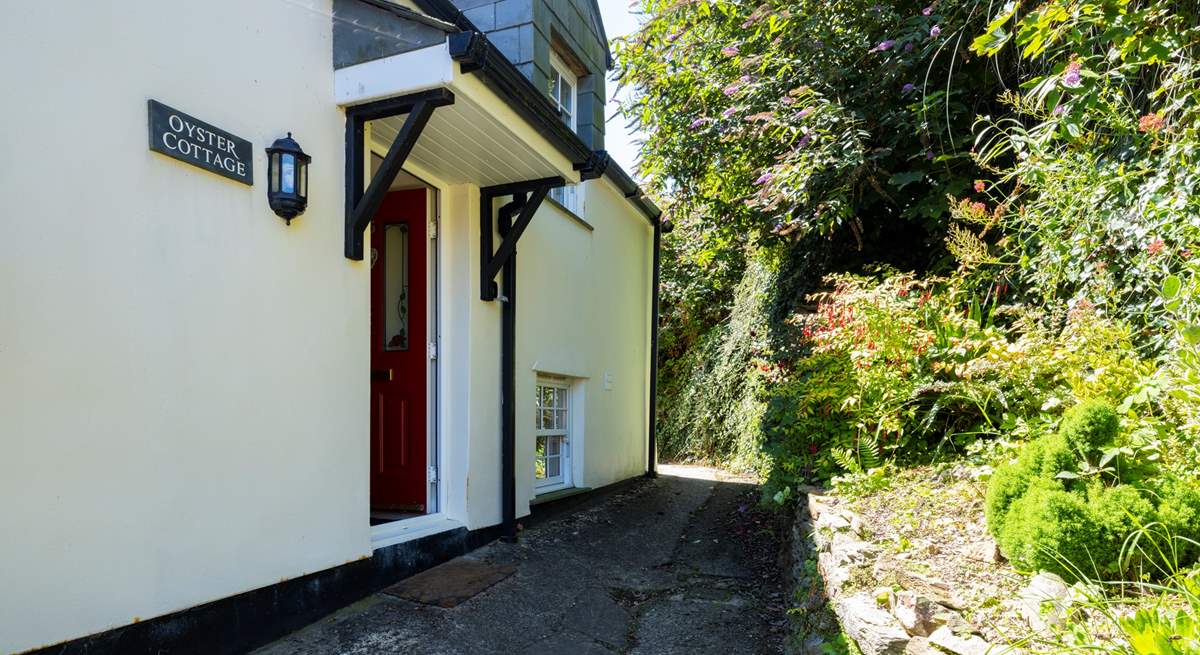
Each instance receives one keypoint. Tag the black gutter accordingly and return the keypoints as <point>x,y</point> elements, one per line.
<point>652,437</point>
<point>476,53</point>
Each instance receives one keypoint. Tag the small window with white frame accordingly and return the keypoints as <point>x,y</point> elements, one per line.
<point>552,436</point>
<point>570,196</point>
<point>563,83</point>
<point>563,86</point>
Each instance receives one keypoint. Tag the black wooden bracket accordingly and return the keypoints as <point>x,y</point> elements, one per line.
<point>491,261</point>
<point>361,205</point>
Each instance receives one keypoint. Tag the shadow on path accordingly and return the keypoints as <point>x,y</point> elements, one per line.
<point>683,563</point>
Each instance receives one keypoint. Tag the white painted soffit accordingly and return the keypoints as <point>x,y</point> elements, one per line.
<point>479,139</point>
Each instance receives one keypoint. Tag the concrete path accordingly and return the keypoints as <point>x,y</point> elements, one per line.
<point>679,564</point>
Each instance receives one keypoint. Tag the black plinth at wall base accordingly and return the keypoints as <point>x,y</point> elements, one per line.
<point>246,621</point>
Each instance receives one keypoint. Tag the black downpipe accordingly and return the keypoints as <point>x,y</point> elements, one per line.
<point>508,392</point>
<point>651,438</point>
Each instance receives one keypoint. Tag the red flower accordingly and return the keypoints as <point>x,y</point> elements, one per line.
<point>1151,123</point>
<point>1156,246</point>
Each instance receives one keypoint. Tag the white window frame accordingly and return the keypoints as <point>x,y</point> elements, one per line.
<point>559,72</point>
<point>570,197</point>
<point>565,469</point>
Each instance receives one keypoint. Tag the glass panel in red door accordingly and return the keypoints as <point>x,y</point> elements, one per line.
<point>399,360</point>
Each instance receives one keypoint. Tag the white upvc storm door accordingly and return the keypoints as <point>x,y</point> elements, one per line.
<point>552,439</point>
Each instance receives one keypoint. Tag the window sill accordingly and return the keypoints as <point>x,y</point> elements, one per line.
<point>571,215</point>
<point>558,494</point>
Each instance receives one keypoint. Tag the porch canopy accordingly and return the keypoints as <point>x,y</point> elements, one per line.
<point>478,139</point>
<point>460,111</point>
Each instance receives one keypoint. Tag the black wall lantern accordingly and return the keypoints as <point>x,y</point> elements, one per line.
<point>287,175</point>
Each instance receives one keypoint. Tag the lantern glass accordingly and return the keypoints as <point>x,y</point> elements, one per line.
<point>287,182</point>
<point>274,166</point>
<point>303,179</point>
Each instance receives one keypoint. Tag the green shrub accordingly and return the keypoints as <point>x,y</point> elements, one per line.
<point>1118,512</point>
<point>1052,509</point>
<point>1090,425</point>
<point>1054,455</point>
<point>1050,529</point>
<point>1179,513</point>
<point>1009,483</point>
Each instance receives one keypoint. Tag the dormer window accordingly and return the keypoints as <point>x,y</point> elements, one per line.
<point>563,83</point>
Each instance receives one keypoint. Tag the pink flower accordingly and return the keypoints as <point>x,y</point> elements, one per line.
<point>980,186</point>
<point>1073,77</point>
<point>928,11</point>
<point>978,208</point>
<point>1156,246</point>
<point>935,31</point>
<point>884,46</point>
<point>729,50</point>
<point>1151,123</point>
<point>787,100</point>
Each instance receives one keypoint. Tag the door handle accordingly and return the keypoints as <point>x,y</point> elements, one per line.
<point>381,375</point>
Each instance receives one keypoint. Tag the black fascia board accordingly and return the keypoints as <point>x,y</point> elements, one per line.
<point>476,53</point>
<point>400,11</point>
<point>633,192</point>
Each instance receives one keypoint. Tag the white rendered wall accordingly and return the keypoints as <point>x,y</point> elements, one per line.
<point>582,311</point>
<point>184,379</point>
<point>183,385</point>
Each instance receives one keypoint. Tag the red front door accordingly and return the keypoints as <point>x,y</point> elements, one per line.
<point>399,355</point>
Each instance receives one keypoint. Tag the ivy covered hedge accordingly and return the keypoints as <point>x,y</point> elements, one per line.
<point>910,228</point>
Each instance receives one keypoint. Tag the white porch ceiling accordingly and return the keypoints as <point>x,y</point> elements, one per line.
<point>464,143</point>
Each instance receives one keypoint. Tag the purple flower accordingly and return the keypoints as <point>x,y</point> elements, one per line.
<point>729,112</point>
<point>804,113</point>
<point>928,11</point>
<point>908,47</point>
<point>884,45</point>
<point>732,89</point>
<point>729,50</point>
<point>1073,78</point>
<point>1059,109</point>
<point>764,178</point>
<point>698,123</point>
<point>745,79</point>
<point>929,155</point>
<point>804,141</point>
<point>935,31</point>
<point>908,88</point>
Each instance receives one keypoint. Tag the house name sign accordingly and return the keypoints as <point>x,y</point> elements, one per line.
<point>191,140</point>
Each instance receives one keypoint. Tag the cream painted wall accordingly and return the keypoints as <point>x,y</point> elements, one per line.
<point>181,375</point>
<point>183,378</point>
<point>582,311</point>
